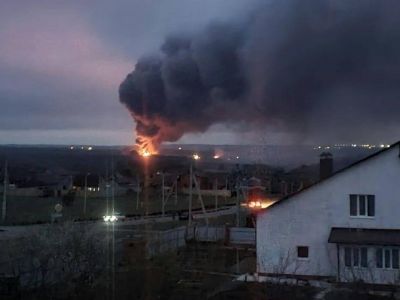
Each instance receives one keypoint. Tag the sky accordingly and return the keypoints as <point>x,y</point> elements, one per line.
<point>61,63</point>
<point>298,71</point>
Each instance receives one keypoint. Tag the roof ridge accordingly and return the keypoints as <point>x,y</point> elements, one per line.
<point>333,175</point>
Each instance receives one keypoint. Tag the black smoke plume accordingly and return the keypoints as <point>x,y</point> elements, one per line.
<point>314,68</point>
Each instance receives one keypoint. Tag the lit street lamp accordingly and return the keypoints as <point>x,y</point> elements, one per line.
<point>195,157</point>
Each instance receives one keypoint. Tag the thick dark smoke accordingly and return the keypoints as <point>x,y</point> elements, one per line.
<point>314,68</point>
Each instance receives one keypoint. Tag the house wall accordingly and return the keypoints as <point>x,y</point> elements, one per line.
<point>307,218</point>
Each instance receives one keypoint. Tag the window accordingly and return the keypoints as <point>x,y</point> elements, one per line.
<point>302,252</point>
<point>362,205</point>
<point>395,258</point>
<point>379,258</point>
<point>364,257</point>
<point>356,257</point>
<point>347,256</point>
<point>387,258</point>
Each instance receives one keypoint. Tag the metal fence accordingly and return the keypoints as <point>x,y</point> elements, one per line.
<point>229,235</point>
<point>242,235</point>
<point>173,239</point>
<point>168,240</point>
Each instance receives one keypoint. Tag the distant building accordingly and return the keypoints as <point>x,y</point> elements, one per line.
<point>99,186</point>
<point>211,183</point>
<point>253,189</point>
<point>39,185</point>
<point>346,226</point>
<point>90,181</point>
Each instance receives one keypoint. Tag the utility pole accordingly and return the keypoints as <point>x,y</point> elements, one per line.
<point>216,193</point>
<point>237,204</point>
<point>190,194</point>
<point>85,195</point>
<point>226,189</point>
<point>162,194</point>
<point>106,185</point>
<point>112,186</point>
<point>137,191</point>
<point>196,183</point>
<point>176,191</point>
<point>5,184</point>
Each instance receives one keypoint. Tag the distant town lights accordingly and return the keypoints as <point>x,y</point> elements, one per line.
<point>339,146</point>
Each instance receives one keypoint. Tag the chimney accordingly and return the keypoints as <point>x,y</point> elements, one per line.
<point>325,165</point>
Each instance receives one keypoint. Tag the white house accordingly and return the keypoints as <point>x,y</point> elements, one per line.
<point>346,226</point>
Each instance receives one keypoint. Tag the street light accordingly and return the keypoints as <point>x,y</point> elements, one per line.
<point>195,157</point>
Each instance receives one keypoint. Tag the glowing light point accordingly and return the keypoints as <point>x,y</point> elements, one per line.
<point>216,156</point>
<point>196,156</point>
<point>145,153</point>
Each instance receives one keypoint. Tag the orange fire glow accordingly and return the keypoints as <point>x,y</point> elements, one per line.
<point>145,146</point>
<point>258,204</point>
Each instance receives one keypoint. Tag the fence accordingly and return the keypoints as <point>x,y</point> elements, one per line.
<point>230,235</point>
<point>241,235</point>
<point>168,240</point>
<point>173,239</point>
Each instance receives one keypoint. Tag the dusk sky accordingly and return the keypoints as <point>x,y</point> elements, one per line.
<point>62,62</point>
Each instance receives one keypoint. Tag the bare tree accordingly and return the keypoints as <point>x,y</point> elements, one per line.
<point>68,253</point>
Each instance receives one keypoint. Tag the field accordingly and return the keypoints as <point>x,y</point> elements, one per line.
<point>28,210</point>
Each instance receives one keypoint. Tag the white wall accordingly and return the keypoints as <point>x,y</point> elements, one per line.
<point>307,218</point>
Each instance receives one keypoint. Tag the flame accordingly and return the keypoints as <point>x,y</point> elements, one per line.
<point>145,153</point>
<point>218,153</point>
<point>145,146</point>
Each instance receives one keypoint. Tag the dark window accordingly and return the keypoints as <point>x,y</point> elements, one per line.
<point>371,205</point>
<point>387,259</point>
<point>347,257</point>
<point>362,205</point>
<point>379,258</point>
<point>353,205</point>
<point>364,257</point>
<point>395,258</point>
<point>356,255</point>
<point>302,251</point>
